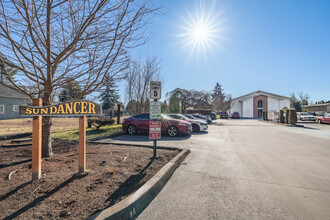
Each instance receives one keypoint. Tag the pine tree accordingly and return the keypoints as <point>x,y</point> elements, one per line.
<point>109,95</point>
<point>69,91</point>
<point>218,98</point>
<point>6,72</point>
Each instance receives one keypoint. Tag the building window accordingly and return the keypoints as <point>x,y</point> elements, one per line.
<point>15,108</point>
<point>2,109</point>
<point>260,104</point>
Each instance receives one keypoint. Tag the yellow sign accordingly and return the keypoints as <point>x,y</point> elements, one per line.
<point>76,108</point>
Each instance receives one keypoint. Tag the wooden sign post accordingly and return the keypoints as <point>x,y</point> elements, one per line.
<point>82,144</point>
<point>36,143</point>
<point>80,108</point>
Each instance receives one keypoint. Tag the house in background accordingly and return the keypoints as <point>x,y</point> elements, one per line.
<point>253,104</point>
<point>10,99</point>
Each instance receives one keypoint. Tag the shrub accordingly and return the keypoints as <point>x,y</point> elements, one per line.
<point>293,116</point>
<point>282,116</point>
<point>99,122</point>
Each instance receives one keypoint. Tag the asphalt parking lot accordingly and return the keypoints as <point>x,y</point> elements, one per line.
<point>247,169</point>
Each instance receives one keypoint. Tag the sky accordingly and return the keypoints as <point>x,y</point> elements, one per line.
<point>278,46</point>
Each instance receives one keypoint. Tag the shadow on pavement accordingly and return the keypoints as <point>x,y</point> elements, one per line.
<point>145,137</point>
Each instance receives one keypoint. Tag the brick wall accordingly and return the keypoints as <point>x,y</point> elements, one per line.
<point>255,104</point>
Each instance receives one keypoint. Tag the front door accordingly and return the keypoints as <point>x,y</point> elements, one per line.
<point>260,108</point>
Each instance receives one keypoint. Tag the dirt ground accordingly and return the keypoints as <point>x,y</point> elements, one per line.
<point>24,125</point>
<point>115,172</point>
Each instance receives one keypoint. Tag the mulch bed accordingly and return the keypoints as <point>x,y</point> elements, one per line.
<point>115,172</point>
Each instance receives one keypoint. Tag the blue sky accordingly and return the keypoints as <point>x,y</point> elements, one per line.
<point>278,46</point>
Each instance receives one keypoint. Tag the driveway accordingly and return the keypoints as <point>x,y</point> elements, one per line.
<point>247,169</point>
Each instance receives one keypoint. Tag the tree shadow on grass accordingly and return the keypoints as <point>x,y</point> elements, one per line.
<point>129,186</point>
<point>39,199</point>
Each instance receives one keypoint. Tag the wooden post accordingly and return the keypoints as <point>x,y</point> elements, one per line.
<point>82,144</point>
<point>118,114</point>
<point>36,143</point>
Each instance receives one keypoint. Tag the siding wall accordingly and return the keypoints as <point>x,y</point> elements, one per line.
<point>236,106</point>
<point>247,108</point>
<point>9,105</point>
<point>273,104</point>
<point>285,103</point>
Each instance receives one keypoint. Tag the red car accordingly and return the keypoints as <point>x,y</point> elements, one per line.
<point>140,124</point>
<point>235,115</point>
<point>324,119</point>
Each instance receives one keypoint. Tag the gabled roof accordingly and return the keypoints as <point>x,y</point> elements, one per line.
<point>10,92</point>
<point>260,92</point>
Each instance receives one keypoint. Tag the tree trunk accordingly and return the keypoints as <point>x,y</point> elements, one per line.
<point>47,120</point>
<point>46,136</point>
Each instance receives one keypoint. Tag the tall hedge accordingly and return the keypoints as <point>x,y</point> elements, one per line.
<point>282,119</point>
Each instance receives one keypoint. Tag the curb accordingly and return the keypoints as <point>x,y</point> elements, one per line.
<point>135,203</point>
<point>135,145</point>
<point>283,124</point>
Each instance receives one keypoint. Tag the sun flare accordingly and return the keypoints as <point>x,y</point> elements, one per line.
<point>200,31</point>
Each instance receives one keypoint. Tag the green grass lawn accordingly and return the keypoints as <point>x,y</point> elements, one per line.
<point>90,132</point>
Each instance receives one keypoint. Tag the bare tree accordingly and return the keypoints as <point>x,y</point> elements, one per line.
<point>51,41</point>
<point>138,79</point>
<point>303,98</point>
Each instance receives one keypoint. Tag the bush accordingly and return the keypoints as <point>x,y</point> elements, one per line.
<point>282,116</point>
<point>293,116</point>
<point>99,122</point>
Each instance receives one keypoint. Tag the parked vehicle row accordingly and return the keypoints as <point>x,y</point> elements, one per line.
<point>324,119</point>
<point>197,125</point>
<point>305,116</point>
<point>172,124</point>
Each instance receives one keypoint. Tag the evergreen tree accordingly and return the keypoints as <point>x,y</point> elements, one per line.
<point>295,103</point>
<point>218,98</point>
<point>164,107</point>
<point>6,72</point>
<point>69,91</point>
<point>109,95</point>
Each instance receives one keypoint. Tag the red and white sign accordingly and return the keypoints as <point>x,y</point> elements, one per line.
<point>155,130</point>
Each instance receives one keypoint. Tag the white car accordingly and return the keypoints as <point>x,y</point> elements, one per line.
<point>305,116</point>
<point>197,125</point>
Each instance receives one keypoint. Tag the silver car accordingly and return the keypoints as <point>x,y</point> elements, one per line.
<point>197,125</point>
<point>305,116</point>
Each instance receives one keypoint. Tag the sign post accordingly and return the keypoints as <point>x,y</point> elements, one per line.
<point>82,144</point>
<point>80,108</point>
<point>155,115</point>
<point>36,143</point>
<point>155,110</point>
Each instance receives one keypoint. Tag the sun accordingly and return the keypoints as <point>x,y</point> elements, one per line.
<point>200,31</point>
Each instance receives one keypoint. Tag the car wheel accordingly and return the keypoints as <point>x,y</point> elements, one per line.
<point>195,128</point>
<point>172,131</point>
<point>131,129</point>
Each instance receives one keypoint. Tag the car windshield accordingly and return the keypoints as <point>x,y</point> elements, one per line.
<point>304,113</point>
<point>189,116</point>
<point>166,117</point>
<point>184,117</point>
<point>175,116</point>
<point>327,116</point>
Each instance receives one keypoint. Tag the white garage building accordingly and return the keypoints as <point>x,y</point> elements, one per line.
<point>251,105</point>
